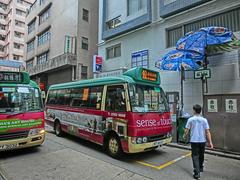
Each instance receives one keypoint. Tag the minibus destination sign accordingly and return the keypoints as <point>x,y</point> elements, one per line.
<point>149,75</point>
<point>11,77</point>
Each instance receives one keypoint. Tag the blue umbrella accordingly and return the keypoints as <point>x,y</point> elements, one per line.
<point>199,40</point>
<point>177,60</point>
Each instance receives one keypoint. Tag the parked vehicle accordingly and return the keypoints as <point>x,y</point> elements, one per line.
<point>124,114</point>
<point>21,112</point>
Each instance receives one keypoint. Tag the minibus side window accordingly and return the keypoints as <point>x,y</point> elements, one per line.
<point>115,98</point>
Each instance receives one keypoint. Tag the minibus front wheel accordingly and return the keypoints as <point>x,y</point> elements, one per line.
<point>114,148</point>
<point>57,128</point>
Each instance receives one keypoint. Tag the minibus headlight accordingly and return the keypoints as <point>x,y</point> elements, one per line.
<point>36,131</point>
<point>139,140</point>
<point>145,139</point>
<point>134,140</point>
<point>169,135</point>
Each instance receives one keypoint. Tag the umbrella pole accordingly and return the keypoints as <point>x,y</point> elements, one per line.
<point>202,78</point>
<point>204,84</point>
<point>182,79</point>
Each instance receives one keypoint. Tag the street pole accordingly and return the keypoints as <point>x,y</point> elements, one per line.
<point>204,83</point>
<point>203,89</point>
<point>182,79</point>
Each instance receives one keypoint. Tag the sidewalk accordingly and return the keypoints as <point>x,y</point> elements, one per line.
<point>208,151</point>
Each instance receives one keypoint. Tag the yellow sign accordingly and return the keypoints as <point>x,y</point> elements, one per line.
<point>85,94</point>
<point>148,75</point>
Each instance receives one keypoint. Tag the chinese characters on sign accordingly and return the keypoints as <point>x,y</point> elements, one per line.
<point>212,105</point>
<point>10,77</point>
<point>231,105</point>
<point>148,75</point>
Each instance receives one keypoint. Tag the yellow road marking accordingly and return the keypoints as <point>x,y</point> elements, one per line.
<point>165,164</point>
<point>147,164</point>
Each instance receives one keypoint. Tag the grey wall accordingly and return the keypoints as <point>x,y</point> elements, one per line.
<point>62,22</point>
<point>170,7</point>
<point>127,24</point>
<point>90,31</point>
<point>64,75</point>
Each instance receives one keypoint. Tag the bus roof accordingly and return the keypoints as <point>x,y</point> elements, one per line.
<point>31,84</point>
<point>93,82</point>
<point>131,76</point>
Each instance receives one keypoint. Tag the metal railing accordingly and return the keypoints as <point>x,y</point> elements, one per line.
<point>54,63</point>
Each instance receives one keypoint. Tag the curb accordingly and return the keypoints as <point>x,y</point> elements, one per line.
<point>207,151</point>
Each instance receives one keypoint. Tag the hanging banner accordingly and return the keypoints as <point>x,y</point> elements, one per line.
<point>231,105</point>
<point>212,105</point>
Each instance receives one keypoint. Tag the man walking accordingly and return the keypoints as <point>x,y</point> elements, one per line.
<point>199,130</point>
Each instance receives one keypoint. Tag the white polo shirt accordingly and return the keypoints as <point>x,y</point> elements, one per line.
<point>197,126</point>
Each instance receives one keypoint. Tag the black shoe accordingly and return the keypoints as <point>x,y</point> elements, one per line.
<point>196,176</point>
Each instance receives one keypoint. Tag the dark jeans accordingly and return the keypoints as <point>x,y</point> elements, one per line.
<point>198,150</point>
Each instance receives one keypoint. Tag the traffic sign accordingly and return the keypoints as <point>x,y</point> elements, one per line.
<point>206,73</point>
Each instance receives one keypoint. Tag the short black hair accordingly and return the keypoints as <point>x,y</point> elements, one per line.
<point>197,108</point>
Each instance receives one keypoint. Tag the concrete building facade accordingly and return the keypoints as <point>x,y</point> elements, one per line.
<point>61,40</point>
<point>139,32</point>
<point>12,28</point>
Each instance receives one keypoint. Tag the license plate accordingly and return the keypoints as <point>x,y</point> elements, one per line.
<point>158,143</point>
<point>8,146</point>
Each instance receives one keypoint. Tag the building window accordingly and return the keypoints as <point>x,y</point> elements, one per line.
<point>2,27</point>
<point>20,1</point>
<point>85,16</point>
<point>1,48</point>
<point>17,46</point>
<point>134,6</point>
<point>2,37</point>
<point>16,57</point>
<point>31,26</point>
<point>44,16</point>
<point>41,59</point>
<point>114,51</point>
<point>3,6</point>
<point>32,7</point>
<point>173,35</point>
<point>41,2</point>
<point>113,23</point>
<point>30,46</point>
<point>70,45</point>
<point>85,43</point>
<point>20,12</point>
<point>18,34</point>
<point>19,23</point>
<point>44,37</point>
<point>84,72</point>
<point>228,19</point>
<point>2,16</point>
<point>29,64</point>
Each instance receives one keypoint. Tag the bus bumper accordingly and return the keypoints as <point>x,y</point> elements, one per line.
<point>30,141</point>
<point>135,148</point>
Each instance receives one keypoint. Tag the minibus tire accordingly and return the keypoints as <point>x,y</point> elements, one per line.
<point>112,142</point>
<point>57,129</point>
